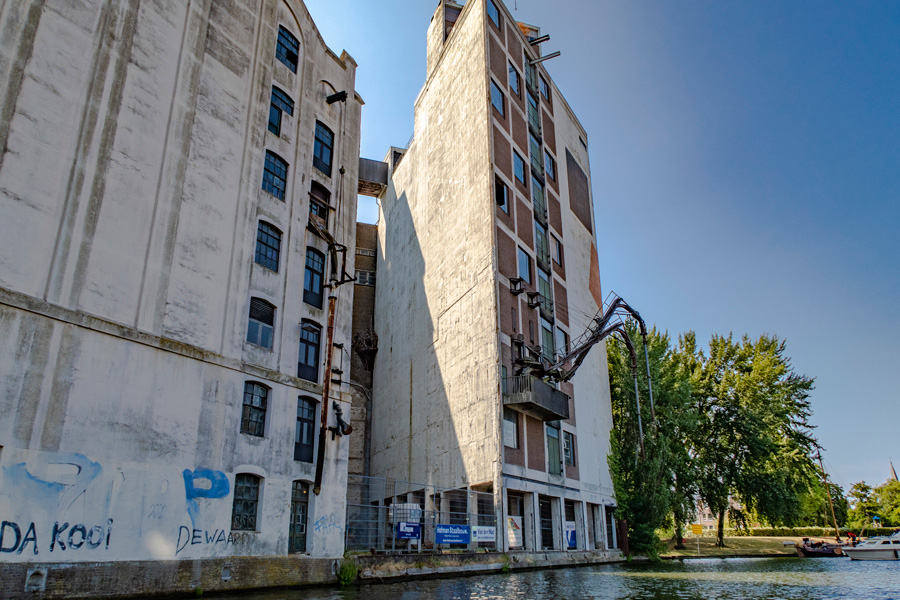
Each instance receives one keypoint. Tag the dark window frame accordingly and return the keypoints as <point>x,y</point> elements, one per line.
<point>517,159</point>
<point>323,148</point>
<point>305,430</point>
<point>319,201</point>
<point>275,175</point>
<point>314,278</point>
<point>268,246</point>
<point>310,350</point>
<point>527,277</point>
<point>287,49</point>
<point>245,509</point>
<point>253,410</point>
<point>544,87</point>
<point>297,533</point>
<point>280,103</point>
<point>501,194</point>
<point>512,417</point>
<point>497,96</point>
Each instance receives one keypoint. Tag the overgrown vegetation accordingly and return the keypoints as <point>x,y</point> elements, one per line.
<point>347,572</point>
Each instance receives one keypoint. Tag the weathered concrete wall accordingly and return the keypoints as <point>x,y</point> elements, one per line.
<point>132,145</point>
<point>134,450</point>
<point>436,411</point>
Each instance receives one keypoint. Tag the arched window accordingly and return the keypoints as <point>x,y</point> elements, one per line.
<point>323,148</point>
<point>305,432</point>
<point>287,49</point>
<point>275,175</point>
<point>261,323</point>
<point>268,246</point>
<point>253,415</point>
<point>308,362</point>
<point>246,502</point>
<point>314,278</point>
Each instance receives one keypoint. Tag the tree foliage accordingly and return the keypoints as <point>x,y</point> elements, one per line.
<point>731,427</point>
<point>867,503</point>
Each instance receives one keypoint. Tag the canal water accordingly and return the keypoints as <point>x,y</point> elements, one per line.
<point>696,579</point>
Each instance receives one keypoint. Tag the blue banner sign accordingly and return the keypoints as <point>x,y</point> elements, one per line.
<point>451,534</point>
<point>409,531</point>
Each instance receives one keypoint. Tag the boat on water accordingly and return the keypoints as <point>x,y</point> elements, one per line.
<point>810,549</point>
<point>882,547</point>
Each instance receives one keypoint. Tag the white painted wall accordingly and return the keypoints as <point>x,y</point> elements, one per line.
<point>134,138</point>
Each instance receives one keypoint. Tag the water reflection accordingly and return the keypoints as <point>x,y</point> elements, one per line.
<point>705,579</point>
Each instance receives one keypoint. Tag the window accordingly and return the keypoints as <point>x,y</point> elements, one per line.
<point>246,502</point>
<point>253,417</point>
<point>322,149</point>
<point>364,251</point>
<point>548,350</point>
<point>515,82</point>
<point>299,514</point>
<point>556,247</point>
<point>569,448</point>
<point>308,362</point>
<point>281,103</point>
<point>534,114</point>
<point>365,277</point>
<point>562,342</point>
<point>493,13</point>
<point>535,147</point>
<point>305,431</point>
<point>519,167</point>
<point>268,246</point>
<point>550,165</point>
<point>510,428</point>
<point>524,266</point>
<point>501,194</point>
<point>275,175</point>
<point>497,98</point>
<point>261,323</point>
<point>515,320</point>
<point>554,465</point>
<point>503,379</point>
<point>319,203</point>
<point>545,88</point>
<point>287,49</point>
<point>314,277</point>
<point>542,247</point>
<point>537,197</point>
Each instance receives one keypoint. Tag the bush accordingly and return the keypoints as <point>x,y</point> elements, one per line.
<point>347,572</point>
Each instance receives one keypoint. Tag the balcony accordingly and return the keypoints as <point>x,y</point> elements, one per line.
<point>533,396</point>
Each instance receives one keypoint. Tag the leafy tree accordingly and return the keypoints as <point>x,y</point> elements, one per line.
<point>650,485</point>
<point>888,497</point>
<point>863,505</point>
<point>814,509</point>
<point>753,442</point>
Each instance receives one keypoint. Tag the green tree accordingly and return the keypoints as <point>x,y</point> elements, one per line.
<point>887,496</point>
<point>863,505</point>
<point>650,485</point>
<point>814,509</point>
<point>753,443</point>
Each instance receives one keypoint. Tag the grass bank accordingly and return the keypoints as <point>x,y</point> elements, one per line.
<point>734,546</point>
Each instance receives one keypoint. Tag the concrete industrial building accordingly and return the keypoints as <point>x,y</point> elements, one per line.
<point>177,180</point>
<point>486,265</point>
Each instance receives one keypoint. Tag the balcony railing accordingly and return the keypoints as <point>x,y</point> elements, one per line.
<point>531,395</point>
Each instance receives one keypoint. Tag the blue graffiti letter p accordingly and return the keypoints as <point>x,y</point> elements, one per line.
<point>203,483</point>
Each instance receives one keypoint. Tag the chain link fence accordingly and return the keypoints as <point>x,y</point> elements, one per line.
<point>388,515</point>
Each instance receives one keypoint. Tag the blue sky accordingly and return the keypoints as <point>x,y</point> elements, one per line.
<point>745,161</point>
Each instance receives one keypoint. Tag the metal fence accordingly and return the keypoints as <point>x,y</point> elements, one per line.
<point>387,515</point>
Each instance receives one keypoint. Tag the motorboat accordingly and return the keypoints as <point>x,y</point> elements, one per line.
<point>810,549</point>
<point>882,547</point>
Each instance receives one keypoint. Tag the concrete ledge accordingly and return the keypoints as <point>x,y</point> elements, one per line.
<point>424,566</point>
<point>134,579</point>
